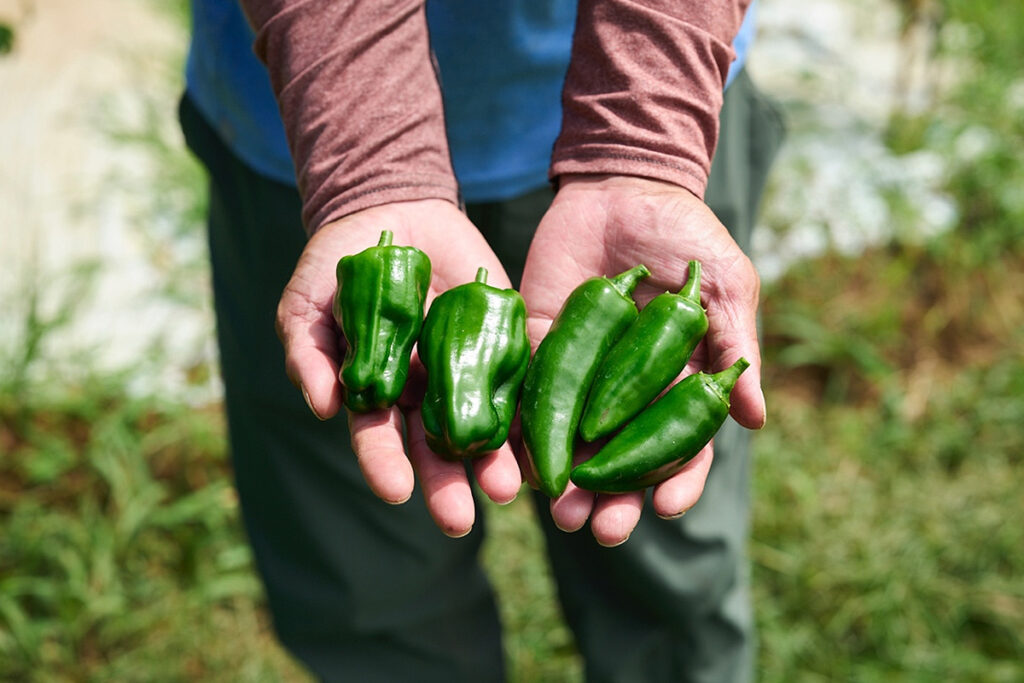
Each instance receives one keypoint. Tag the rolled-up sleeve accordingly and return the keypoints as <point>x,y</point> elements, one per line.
<point>644,89</point>
<point>359,97</point>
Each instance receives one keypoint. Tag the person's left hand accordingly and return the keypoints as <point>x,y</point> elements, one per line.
<point>600,225</point>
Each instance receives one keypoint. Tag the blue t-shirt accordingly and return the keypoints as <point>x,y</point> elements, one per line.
<point>502,64</point>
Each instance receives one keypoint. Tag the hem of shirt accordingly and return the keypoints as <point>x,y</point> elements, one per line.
<point>259,163</point>
<point>269,171</point>
<point>480,190</point>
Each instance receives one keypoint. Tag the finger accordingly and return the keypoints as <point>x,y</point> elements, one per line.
<point>680,492</point>
<point>498,475</point>
<point>571,510</point>
<point>377,441</point>
<point>615,516</point>
<point>316,377</point>
<point>747,402</point>
<point>311,354</point>
<point>445,485</point>
<point>515,441</point>
<point>727,341</point>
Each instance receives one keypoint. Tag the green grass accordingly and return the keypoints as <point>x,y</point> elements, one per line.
<point>538,645</point>
<point>885,545</point>
<point>121,556</point>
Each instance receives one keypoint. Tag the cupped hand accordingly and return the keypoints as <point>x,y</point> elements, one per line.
<point>313,355</point>
<point>603,225</point>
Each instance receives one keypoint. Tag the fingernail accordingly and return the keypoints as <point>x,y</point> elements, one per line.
<point>309,404</point>
<point>612,545</point>
<point>457,534</point>
<point>568,530</point>
<point>764,410</point>
<point>671,517</point>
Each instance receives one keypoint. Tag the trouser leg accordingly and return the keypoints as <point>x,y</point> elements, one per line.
<point>359,590</point>
<point>509,226</point>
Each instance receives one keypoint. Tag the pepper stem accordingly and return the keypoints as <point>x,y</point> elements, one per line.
<point>626,282</point>
<point>691,290</point>
<point>726,379</point>
<point>386,237</point>
<point>481,275</point>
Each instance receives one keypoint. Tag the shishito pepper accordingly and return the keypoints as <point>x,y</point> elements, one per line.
<point>475,349</point>
<point>592,318</point>
<point>659,441</point>
<point>651,353</point>
<point>379,307</point>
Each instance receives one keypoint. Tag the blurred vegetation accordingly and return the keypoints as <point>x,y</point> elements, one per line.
<point>885,543</point>
<point>6,38</point>
<point>121,556</point>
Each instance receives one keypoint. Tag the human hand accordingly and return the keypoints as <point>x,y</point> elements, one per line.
<point>314,350</point>
<point>603,225</point>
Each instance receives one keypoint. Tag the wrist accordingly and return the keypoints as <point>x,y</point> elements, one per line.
<point>620,184</point>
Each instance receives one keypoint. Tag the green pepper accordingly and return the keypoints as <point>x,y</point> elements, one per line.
<point>379,308</point>
<point>651,353</point>
<point>664,437</point>
<point>475,349</point>
<point>592,318</point>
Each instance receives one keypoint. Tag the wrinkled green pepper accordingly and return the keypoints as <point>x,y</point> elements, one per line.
<point>475,349</point>
<point>592,318</point>
<point>645,360</point>
<point>659,441</point>
<point>379,307</point>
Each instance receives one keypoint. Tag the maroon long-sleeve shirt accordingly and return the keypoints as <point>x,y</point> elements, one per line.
<point>362,110</point>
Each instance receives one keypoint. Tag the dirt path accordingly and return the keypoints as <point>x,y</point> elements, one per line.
<point>81,76</point>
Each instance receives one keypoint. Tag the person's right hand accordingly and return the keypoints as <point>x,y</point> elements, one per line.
<point>313,354</point>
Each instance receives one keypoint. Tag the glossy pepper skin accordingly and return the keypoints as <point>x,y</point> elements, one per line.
<point>475,349</point>
<point>379,307</point>
<point>645,360</point>
<point>664,437</point>
<point>592,318</point>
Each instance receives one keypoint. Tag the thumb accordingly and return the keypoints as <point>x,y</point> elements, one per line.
<point>310,341</point>
<point>728,340</point>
